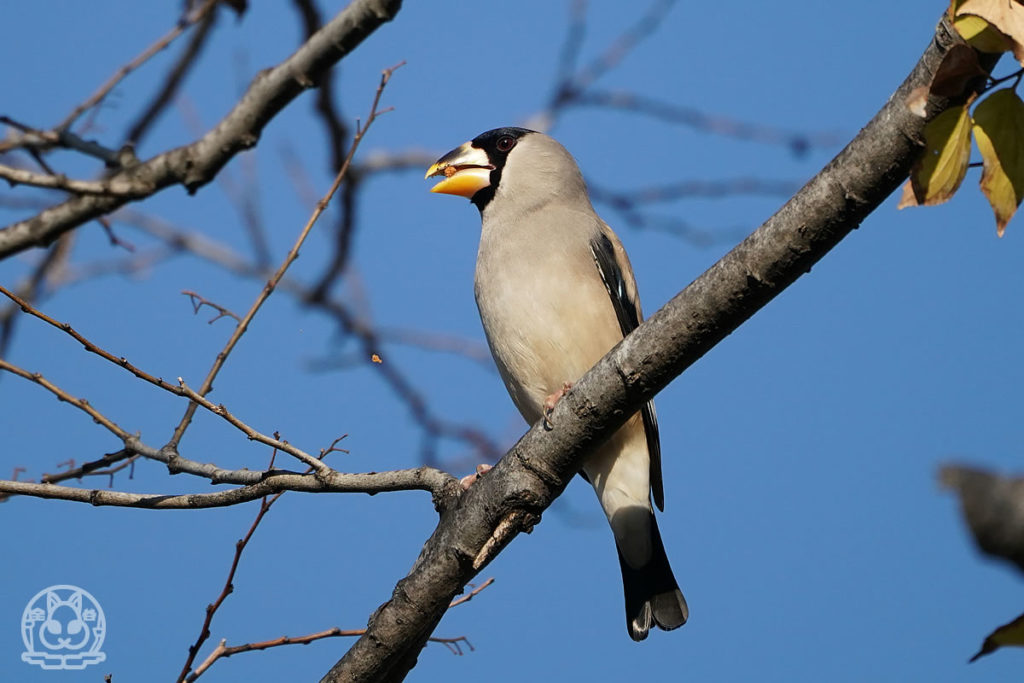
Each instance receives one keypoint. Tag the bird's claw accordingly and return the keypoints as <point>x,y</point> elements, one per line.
<point>551,401</point>
<point>469,480</point>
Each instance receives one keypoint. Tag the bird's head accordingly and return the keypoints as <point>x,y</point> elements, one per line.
<point>511,163</point>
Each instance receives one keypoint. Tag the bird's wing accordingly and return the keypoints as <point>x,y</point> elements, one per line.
<point>617,275</point>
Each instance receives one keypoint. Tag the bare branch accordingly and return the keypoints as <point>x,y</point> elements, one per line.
<point>175,76</point>
<point>121,188</point>
<point>369,338</point>
<point>40,140</point>
<point>196,164</point>
<point>141,59</point>
<point>211,609</point>
<point>32,287</point>
<point>80,403</point>
<point>298,453</point>
<point>470,595</point>
<point>198,301</point>
<point>293,254</point>
<point>702,121</point>
<point>441,485</point>
<point>222,651</point>
<point>90,346</point>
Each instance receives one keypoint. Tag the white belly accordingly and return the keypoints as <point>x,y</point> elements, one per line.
<point>547,316</point>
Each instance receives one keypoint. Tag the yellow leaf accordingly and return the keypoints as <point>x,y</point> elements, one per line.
<point>999,132</point>
<point>980,35</point>
<point>1007,634</point>
<point>942,167</point>
<point>1005,15</point>
<point>376,359</point>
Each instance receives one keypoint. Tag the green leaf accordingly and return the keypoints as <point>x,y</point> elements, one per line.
<point>999,132</point>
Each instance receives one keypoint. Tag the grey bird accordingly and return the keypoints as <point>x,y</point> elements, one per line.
<point>556,292</point>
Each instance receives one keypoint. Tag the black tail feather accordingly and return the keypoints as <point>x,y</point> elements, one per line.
<point>652,595</point>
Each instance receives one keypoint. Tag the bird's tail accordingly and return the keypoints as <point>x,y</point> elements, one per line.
<point>652,595</point>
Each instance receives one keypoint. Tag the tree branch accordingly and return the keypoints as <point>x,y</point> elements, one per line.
<point>539,467</point>
<point>196,164</point>
<point>443,486</point>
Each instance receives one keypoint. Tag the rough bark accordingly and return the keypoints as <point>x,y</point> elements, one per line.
<point>511,497</point>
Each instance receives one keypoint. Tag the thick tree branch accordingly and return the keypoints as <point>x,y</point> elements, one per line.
<point>196,164</point>
<point>512,495</point>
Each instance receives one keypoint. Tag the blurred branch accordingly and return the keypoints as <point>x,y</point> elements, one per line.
<point>176,75</point>
<point>511,497</point>
<point>42,140</point>
<point>293,254</point>
<point>32,288</point>
<point>370,339</point>
<point>153,49</point>
<point>572,81</point>
<point>121,188</point>
<point>337,139</point>
<point>196,164</point>
<point>993,507</point>
<point>699,120</point>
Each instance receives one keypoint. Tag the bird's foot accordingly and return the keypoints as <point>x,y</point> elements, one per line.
<point>467,481</point>
<point>551,401</point>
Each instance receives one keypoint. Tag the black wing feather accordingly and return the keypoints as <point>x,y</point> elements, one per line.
<point>628,313</point>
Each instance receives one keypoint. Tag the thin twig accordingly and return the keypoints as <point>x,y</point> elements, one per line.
<point>153,49</point>
<point>90,346</point>
<point>229,587</point>
<point>175,77</point>
<point>80,403</point>
<point>271,284</point>
<point>254,435</point>
<point>198,301</point>
<point>222,651</point>
<point>472,594</point>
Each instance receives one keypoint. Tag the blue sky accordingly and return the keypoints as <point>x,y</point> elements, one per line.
<point>803,518</point>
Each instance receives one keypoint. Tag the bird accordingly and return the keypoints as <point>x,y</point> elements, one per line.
<point>555,292</point>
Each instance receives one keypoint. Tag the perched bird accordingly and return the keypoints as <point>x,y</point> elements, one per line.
<point>556,292</point>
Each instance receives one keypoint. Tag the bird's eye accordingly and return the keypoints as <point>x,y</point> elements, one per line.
<point>505,143</point>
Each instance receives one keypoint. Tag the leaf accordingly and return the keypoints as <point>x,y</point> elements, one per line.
<point>959,67</point>
<point>940,170</point>
<point>999,132</point>
<point>1005,15</point>
<point>1007,634</point>
<point>980,34</point>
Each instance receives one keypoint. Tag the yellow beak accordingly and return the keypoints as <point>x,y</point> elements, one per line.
<point>466,171</point>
